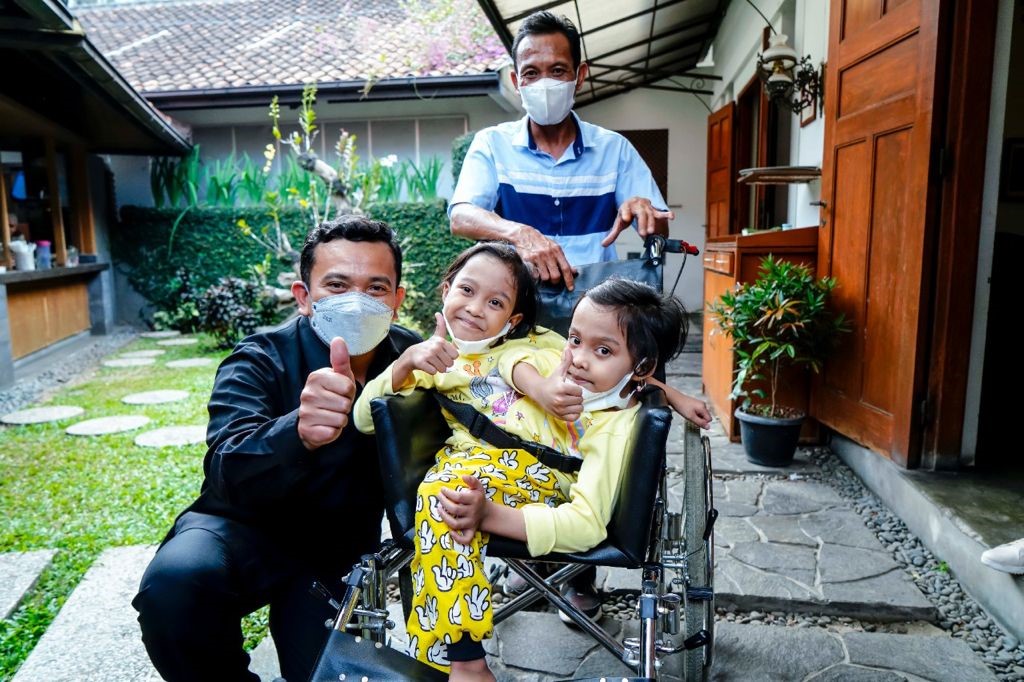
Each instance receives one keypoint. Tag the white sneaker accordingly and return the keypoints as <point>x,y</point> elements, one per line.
<point>1008,557</point>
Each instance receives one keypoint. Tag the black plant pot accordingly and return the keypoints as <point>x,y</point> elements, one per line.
<point>767,441</point>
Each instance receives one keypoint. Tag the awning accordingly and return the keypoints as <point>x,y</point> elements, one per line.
<point>628,43</point>
<point>50,70</point>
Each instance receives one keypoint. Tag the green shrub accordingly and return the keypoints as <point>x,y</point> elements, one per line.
<point>182,312</point>
<point>232,309</point>
<point>460,145</point>
<point>209,245</point>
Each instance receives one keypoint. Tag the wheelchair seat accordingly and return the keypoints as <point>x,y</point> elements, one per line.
<point>411,429</point>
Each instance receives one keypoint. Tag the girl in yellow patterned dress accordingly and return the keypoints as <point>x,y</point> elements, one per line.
<point>489,307</point>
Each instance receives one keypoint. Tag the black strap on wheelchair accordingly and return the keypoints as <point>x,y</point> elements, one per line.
<point>479,426</point>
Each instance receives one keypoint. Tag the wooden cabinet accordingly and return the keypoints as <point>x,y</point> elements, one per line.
<point>727,262</point>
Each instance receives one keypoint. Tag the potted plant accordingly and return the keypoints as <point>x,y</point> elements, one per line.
<point>780,319</point>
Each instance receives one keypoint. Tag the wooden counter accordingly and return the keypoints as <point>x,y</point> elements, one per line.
<point>45,306</point>
<point>729,261</point>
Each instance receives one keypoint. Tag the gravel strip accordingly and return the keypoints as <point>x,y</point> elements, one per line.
<point>62,370</point>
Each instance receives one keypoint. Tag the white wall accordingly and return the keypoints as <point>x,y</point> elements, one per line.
<point>735,54</point>
<point>686,120</point>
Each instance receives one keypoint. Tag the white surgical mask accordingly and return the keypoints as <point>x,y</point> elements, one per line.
<point>548,101</point>
<point>592,402</point>
<point>359,318</point>
<point>474,347</point>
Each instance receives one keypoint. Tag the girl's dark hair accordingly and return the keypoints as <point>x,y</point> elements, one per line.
<point>655,325</point>
<point>354,228</point>
<point>526,288</point>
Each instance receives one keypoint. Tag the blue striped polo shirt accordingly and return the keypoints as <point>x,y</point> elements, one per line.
<point>573,200</point>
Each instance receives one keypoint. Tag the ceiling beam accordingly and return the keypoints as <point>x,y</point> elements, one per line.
<point>664,73</point>
<point>618,22</point>
<point>686,25</point>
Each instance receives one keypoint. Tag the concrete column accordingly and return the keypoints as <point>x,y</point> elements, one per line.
<point>101,302</point>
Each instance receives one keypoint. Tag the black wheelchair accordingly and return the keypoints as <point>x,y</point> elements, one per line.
<point>673,548</point>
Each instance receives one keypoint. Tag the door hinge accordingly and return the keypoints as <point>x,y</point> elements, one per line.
<point>925,412</point>
<point>943,162</point>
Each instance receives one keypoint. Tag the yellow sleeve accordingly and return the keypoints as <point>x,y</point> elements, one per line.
<point>379,387</point>
<point>543,351</point>
<point>582,522</point>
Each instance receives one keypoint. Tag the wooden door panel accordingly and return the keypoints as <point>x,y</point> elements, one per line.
<point>886,275</point>
<point>720,173</point>
<point>850,201</point>
<point>867,84</point>
<point>878,139</point>
<point>866,36</point>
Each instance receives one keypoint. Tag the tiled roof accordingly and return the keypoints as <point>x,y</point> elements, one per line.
<point>214,44</point>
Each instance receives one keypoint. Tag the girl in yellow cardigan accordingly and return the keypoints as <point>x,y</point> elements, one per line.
<point>577,397</point>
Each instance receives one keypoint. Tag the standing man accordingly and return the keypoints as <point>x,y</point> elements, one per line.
<point>292,492</point>
<point>559,189</point>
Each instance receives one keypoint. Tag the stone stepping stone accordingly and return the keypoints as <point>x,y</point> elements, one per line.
<point>166,334</point>
<point>154,397</point>
<point>171,436</point>
<point>18,573</point>
<point>142,353</point>
<point>177,342</point>
<point>762,652</point>
<point>129,362</point>
<point>190,362</point>
<point>38,415</point>
<point>96,635</point>
<point>790,545</point>
<point>263,660</point>
<point>104,425</point>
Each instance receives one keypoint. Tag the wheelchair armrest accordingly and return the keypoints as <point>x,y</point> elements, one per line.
<point>633,517</point>
<point>410,430</point>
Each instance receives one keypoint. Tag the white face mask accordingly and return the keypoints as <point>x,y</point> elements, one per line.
<point>548,101</point>
<point>359,318</point>
<point>592,402</point>
<point>474,347</point>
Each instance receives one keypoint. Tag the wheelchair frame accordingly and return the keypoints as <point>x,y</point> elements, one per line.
<point>681,541</point>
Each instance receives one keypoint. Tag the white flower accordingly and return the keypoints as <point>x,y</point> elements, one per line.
<point>389,160</point>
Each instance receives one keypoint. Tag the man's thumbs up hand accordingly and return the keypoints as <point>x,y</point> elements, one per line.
<point>340,362</point>
<point>326,400</point>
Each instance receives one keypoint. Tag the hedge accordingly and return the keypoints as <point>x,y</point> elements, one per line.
<point>208,243</point>
<point>460,145</point>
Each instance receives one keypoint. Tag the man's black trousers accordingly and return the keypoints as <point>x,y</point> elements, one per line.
<point>206,577</point>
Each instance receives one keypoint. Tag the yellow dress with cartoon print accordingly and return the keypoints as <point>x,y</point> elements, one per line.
<point>563,512</point>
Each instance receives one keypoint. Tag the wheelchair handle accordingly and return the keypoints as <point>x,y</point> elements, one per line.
<point>655,246</point>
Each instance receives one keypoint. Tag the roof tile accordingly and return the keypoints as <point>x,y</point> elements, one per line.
<point>184,45</point>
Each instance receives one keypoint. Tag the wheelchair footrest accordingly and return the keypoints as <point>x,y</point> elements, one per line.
<point>700,593</point>
<point>355,658</point>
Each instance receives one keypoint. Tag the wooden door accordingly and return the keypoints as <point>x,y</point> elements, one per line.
<point>879,136</point>
<point>721,172</point>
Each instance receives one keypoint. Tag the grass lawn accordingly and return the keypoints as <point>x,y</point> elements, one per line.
<point>82,495</point>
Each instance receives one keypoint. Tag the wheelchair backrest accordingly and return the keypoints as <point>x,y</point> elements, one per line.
<point>411,429</point>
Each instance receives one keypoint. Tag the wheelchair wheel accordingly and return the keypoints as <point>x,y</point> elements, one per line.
<point>698,598</point>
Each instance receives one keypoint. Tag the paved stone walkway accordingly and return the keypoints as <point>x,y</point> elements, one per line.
<point>18,573</point>
<point>784,542</point>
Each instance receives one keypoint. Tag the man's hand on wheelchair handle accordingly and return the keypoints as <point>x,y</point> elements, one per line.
<point>649,220</point>
<point>433,356</point>
<point>326,401</point>
<point>556,394</point>
<point>543,255</point>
